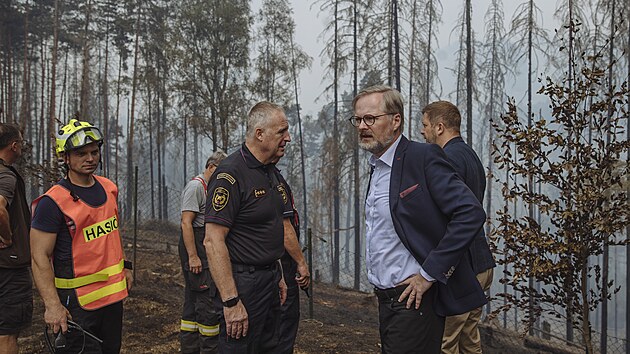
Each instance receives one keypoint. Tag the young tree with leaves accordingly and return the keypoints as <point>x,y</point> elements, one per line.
<point>582,207</point>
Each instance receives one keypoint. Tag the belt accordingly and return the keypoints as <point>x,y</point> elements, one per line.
<point>390,293</point>
<point>248,268</point>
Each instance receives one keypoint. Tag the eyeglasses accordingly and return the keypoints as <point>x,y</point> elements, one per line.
<point>368,119</point>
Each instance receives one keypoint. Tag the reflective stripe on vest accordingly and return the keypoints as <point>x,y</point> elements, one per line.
<point>103,292</point>
<point>97,257</point>
<point>103,275</point>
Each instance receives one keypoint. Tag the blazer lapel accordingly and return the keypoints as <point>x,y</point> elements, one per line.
<point>396,176</point>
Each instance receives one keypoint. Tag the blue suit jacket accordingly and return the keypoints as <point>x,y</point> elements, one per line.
<point>437,217</point>
<point>470,170</point>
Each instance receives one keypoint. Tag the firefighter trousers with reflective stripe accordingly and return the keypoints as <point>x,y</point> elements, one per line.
<point>200,324</point>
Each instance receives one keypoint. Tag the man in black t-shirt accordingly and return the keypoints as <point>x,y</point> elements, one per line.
<point>248,229</point>
<point>16,294</point>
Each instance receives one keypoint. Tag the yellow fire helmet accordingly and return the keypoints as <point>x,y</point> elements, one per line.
<point>77,134</point>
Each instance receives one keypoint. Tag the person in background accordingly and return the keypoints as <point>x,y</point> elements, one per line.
<point>441,122</point>
<point>79,264</point>
<point>16,288</point>
<point>420,221</point>
<point>290,310</point>
<point>199,328</point>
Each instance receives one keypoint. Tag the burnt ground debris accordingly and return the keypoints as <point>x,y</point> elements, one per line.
<point>344,321</point>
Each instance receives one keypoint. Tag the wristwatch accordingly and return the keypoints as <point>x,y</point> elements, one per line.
<point>231,302</point>
<point>128,265</point>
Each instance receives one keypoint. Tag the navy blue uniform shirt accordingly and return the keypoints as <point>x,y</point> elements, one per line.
<point>250,199</point>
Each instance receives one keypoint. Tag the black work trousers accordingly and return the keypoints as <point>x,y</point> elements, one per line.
<point>289,321</point>
<point>105,323</point>
<point>259,293</point>
<point>409,330</point>
<point>290,311</point>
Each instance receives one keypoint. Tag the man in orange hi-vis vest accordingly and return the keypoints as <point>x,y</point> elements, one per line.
<point>78,261</point>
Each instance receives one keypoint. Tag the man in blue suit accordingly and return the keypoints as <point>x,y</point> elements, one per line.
<point>420,221</point>
<point>441,122</point>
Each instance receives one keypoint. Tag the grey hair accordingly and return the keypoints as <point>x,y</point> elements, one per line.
<point>216,158</point>
<point>392,100</point>
<point>259,114</point>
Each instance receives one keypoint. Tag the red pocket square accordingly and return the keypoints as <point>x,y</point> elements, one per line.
<point>408,190</point>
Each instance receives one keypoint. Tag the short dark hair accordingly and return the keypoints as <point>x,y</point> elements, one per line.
<point>9,133</point>
<point>216,158</point>
<point>445,112</point>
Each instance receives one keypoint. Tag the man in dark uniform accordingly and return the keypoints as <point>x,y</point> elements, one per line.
<point>441,125</point>
<point>247,231</point>
<point>290,310</point>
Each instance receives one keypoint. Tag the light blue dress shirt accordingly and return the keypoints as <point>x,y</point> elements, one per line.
<point>388,261</point>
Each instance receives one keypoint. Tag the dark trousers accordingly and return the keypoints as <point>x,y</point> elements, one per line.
<point>258,290</point>
<point>405,330</point>
<point>105,323</point>
<point>199,330</point>
<point>16,300</point>
<point>289,321</point>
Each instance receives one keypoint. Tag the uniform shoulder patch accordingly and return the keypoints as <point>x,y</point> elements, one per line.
<point>226,176</point>
<point>220,198</point>
<point>283,191</point>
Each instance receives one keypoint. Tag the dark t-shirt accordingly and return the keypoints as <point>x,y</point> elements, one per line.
<point>249,198</point>
<point>49,218</point>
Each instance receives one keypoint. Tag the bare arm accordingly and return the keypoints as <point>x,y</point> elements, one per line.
<point>42,246</point>
<point>128,272</point>
<point>194,262</point>
<point>236,317</point>
<point>6,237</point>
<point>292,247</point>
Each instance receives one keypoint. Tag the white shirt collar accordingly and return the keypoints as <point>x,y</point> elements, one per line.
<point>388,156</point>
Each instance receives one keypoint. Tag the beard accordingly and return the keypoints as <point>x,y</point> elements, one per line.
<point>375,146</point>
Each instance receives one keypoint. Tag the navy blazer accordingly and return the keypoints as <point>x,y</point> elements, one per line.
<point>470,169</point>
<point>437,217</point>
